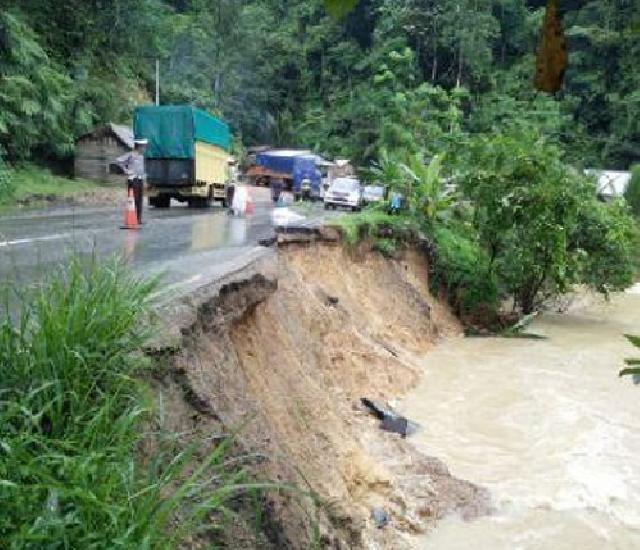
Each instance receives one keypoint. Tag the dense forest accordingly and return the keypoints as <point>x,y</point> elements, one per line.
<point>284,72</point>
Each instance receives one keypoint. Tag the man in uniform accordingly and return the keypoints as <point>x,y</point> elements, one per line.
<point>133,165</point>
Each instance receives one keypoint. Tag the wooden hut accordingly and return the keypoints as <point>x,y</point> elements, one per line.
<point>96,150</point>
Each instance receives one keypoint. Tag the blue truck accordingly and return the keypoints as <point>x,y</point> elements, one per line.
<point>296,169</point>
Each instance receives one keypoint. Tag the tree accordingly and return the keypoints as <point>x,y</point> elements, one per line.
<point>540,221</point>
<point>35,95</point>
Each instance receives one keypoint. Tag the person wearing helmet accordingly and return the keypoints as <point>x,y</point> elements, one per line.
<point>132,164</point>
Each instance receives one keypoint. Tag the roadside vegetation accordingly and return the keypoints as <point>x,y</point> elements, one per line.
<point>30,185</point>
<point>284,72</point>
<point>74,413</point>
<point>632,192</point>
<point>509,218</point>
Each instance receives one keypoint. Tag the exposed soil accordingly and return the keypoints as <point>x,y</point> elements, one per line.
<point>287,353</point>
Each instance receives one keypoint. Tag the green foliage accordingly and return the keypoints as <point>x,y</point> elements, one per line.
<point>7,184</point>
<point>406,75</point>
<point>540,222</point>
<point>606,241</point>
<point>35,94</point>
<point>339,8</point>
<point>387,171</point>
<point>387,247</point>
<point>633,367</point>
<point>632,192</point>
<point>71,415</point>
<point>427,195</point>
<point>461,268</point>
<point>374,220</point>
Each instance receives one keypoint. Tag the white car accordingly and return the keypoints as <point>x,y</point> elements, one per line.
<point>373,193</point>
<point>344,192</point>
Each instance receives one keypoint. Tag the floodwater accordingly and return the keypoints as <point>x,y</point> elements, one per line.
<point>546,425</point>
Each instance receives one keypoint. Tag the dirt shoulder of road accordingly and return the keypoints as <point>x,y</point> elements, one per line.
<point>35,187</point>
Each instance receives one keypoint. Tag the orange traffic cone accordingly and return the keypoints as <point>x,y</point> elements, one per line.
<point>130,215</point>
<point>249,207</point>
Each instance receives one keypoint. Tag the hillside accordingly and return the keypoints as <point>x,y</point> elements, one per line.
<point>285,72</point>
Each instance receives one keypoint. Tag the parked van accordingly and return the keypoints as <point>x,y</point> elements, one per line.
<point>344,192</point>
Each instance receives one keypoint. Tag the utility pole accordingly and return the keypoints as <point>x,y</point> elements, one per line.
<point>157,82</point>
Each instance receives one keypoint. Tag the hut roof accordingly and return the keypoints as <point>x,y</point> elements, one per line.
<point>124,134</point>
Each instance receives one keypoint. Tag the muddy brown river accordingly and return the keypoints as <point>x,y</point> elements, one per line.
<point>546,425</point>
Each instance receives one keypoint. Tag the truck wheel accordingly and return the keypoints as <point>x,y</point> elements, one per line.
<point>228,196</point>
<point>161,201</point>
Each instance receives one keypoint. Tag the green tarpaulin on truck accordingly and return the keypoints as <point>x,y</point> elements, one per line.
<point>172,130</point>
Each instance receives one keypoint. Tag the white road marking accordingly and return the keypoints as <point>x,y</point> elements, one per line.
<point>57,236</point>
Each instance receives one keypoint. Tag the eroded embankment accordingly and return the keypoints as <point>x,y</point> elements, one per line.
<point>287,349</point>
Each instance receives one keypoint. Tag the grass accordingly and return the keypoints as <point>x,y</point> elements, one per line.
<point>73,410</point>
<point>303,207</point>
<point>38,186</point>
<point>368,223</point>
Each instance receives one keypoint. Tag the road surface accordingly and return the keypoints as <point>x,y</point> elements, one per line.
<point>182,244</point>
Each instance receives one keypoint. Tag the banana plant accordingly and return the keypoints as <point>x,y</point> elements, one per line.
<point>428,194</point>
<point>633,363</point>
<point>387,170</point>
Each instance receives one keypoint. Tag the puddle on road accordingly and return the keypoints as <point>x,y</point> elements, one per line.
<point>546,425</point>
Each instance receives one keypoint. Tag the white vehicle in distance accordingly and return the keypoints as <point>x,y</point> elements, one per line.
<point>344,192</point>
<point>372,193</point>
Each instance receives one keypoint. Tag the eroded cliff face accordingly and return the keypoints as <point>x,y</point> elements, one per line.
<point>286,350</point>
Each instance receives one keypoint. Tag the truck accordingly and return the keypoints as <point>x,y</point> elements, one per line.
<point>187,156</point>
<point>296,168</point>
<point>306,178</point>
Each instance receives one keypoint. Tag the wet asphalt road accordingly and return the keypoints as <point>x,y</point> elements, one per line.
<point>180,243</point>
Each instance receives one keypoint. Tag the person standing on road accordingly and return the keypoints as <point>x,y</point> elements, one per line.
<point>277,185</point>
<point>133,165</point>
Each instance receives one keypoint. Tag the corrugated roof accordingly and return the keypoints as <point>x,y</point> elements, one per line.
<point>123,133</point>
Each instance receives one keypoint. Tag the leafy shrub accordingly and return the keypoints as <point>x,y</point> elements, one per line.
<point>540,220</point>
<point>462,269</point>
<point>606,243</point>
<point>632,193</point>
<point>386,247</point>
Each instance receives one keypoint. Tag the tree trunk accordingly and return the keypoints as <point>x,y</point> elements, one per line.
<point>434,58</point>
<point>460,63</point>
<point>434,66</point>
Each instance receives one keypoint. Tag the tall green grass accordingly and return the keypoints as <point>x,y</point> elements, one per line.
<point>72,419</point>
